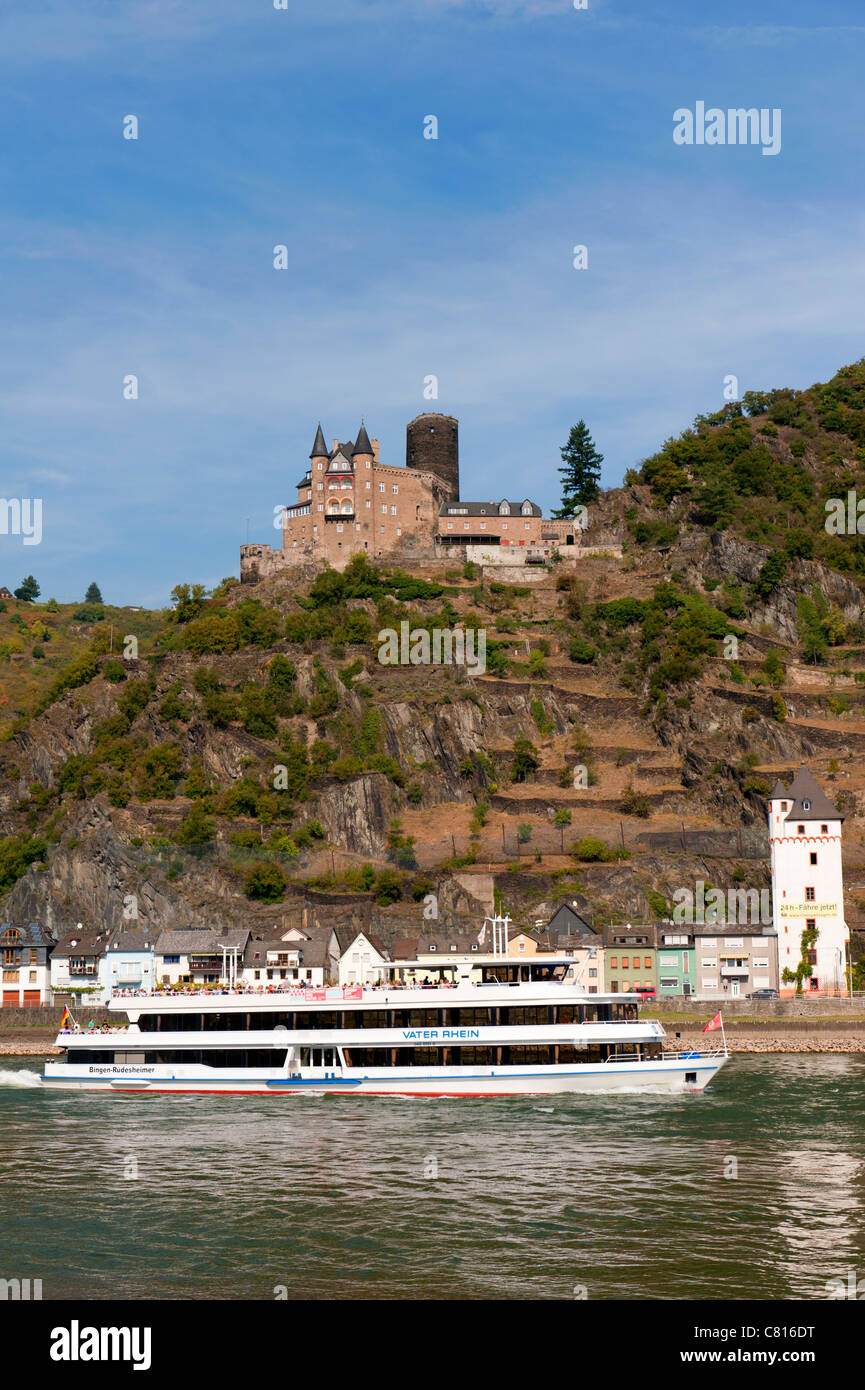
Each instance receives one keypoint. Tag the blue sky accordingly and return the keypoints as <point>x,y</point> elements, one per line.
<point>407,257</point>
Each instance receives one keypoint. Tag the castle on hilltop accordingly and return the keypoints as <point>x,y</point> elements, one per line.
<point>349,503</point>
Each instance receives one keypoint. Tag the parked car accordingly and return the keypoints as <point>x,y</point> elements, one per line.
<point>762,994</point>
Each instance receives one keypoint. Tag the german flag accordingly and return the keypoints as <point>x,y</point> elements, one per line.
<point>67,1018</point>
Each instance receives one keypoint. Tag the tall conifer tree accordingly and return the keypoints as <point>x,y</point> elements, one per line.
<point>580,471</point>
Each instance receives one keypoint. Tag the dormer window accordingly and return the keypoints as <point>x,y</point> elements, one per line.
<point>432,946</point>
<point>504,509</point>
<point>527,509</point>
<point>453,947</point>
<point>806,806</point>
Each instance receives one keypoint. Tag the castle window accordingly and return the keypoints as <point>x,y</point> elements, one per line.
<point>347,506</point>
<point>809,895</point>
<point>824,830</point>
<point>393,511</point>
<point>367,482</point>
<point>483,525</point>
<point>394,489</point>
<point>806,806</point>
<point>357,526</point>
<point>450,526</point>
<point>368,466</point>
<point>465,526</point>
<point>810,923</point>
<point>320,467</point>
<point>320,487</point>
<point>384,508</point>
<point>504,526</point>
<point>381,487</point>
<point>368,503</point>
<point>504,509</point>
<point>527,525</point>
<point>783,805</point>
<point>339,526</point>
<point>332,508</point>
<point>800,830</point>
<point>321,506</point>
<point>527,509</point>
<point>813,858</point>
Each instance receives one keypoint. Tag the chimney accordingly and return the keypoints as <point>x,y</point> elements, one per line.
<point>335,444</point>
<point>374,443</point>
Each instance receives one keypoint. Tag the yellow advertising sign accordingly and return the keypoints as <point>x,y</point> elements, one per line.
<point>809,910</point>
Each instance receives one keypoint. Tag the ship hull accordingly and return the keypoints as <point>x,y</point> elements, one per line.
<point>661,1077</point>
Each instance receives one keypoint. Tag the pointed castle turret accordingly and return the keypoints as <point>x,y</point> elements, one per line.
<point>362,449</point>
<point>319,448</point>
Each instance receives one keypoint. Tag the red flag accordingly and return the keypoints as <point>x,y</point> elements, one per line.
<point>713,1023</point>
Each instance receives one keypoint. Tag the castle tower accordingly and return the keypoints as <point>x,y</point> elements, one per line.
<point>319,449</point>
<point>808,883</point>
<point>432,445</point>
<point>362,451</point>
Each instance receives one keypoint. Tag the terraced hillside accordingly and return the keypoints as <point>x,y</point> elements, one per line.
<point>258,760</point>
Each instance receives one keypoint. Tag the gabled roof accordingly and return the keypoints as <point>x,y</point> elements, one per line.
<point>319,448</point>
<point>306,479</point>
<point>133,941</point>
<point>81,944</point>
<point>198,942</point>
<point>566,921</point>
<point>362,444</point>
<point>30,933</point>
<point>803,788</point>
<point>344,452</point>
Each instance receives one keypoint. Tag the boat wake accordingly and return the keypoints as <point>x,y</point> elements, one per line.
<point>19,1079</point>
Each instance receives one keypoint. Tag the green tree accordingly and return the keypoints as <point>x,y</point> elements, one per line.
<point>29,589</point>
<point>580,471</point>
<point>93,594</point>
<point>266,882</point>
<point>188,601</point>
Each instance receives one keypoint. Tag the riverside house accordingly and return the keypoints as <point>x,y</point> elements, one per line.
<point>24,954</point>
<point>363,960</point>
<point>195,955</point>
<point>301,961</point>
<point>733,961</point>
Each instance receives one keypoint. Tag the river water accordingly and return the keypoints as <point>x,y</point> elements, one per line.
<point>346,1197</point>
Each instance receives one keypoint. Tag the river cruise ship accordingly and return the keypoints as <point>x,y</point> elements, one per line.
<point>491,1025</point>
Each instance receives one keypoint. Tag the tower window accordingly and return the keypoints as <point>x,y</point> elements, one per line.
<point>800,830</point>
<point>809,895</point>
<point>824,830</point>
<point>813,859</point>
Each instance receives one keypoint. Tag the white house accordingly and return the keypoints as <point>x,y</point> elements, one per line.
<point>362,962</point>
<point>807,884</point>
<point>197,955</point>
<point>300,960</point>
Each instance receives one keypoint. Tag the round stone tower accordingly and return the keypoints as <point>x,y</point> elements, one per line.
<point>432,445</point>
